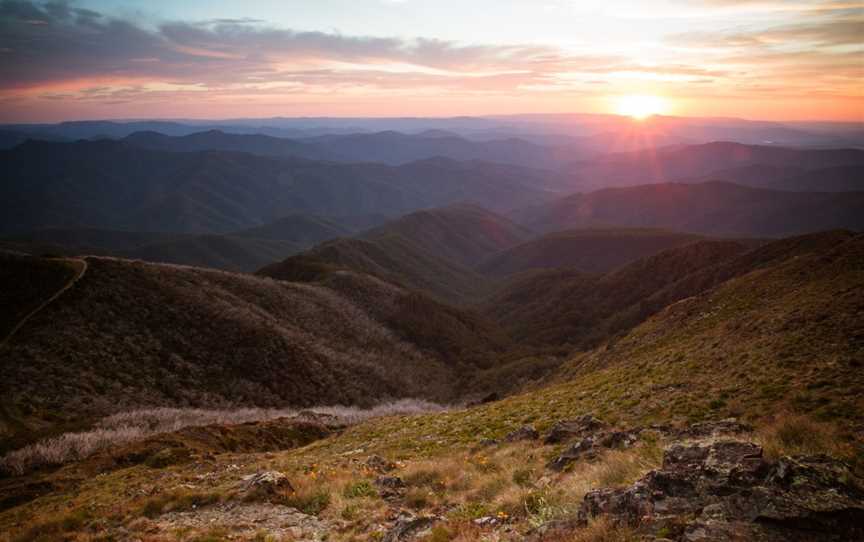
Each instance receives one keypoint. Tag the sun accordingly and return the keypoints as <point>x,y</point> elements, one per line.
<point>641,107</point>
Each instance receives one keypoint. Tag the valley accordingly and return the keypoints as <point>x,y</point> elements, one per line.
<point>246,336</point>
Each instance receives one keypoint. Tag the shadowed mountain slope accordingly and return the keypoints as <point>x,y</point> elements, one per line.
<point>579,310</point>
<point>215,140</point>
<point>112,185</point>
<point>132,334</point>
<point>302,229</point>
<point>27,282</point>
<point>700,161</point>
<point>226,252</point>
<point>245,250</point>
<point>431,250</point>
<point>388,147</point>
<point>591,251</point>
<point>714,208</point>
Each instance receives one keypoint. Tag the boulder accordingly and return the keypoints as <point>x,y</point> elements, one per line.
<point>525,432</point>
<point>729,426</point>
<point>566,430</point>
<point>725,490</point>
<point>589,447</point>
<point>265,484</point>
<point>409,527</point>
<point>390,487</point>
<point>585,448</point>
<point>378,464</point>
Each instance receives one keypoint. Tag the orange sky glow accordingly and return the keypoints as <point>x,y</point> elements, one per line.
<point>750,59</point>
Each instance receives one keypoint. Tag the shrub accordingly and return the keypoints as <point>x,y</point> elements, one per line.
<point>358,489</point>
<point>523,477</point>
<point>312,502</point>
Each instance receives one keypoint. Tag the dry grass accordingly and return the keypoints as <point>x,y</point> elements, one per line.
<point>796,434</point>
<point>509,483</point>
<point>136,425</point>
<point>601,530</point>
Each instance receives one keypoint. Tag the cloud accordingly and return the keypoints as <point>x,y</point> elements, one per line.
<point>58,52</point>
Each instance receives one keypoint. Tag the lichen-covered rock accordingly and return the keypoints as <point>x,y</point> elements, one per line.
<point>410,527</point>
<point>585,448</point>
<point>525,432</point>
<point>390,487</point>
<point>725,490</point>
<point>589,447</point>
<point>729,426</point>
<point>566,430</point>
<point>265,484</point>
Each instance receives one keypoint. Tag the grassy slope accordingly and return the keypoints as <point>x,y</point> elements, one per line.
<point>786,336</point>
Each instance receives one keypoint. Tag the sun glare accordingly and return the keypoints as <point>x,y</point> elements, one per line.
<point>641,107</point>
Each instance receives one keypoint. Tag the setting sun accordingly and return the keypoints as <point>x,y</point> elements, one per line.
<point>641,107</point>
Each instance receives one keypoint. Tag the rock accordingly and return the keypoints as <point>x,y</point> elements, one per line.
<point>390,487</point>
<point>619,439</point>
<point>583,449</point>
<point>266,483</point>
<point>486,521</point>
<point>486,443</point>
<point>378,464</point>
<point>589,447</point>
<point>526,432</point>
<point>554,530</point>
<point>729,426</point>
<point>583,426</point>
<point>724,490</point>
<point>409,527</point>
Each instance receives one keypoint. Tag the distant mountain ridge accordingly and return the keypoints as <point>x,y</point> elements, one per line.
<point>590,250</point>
<point>704,161</point>
<point>112,185</point>
<point>432,250</point>
<point>711,208</point>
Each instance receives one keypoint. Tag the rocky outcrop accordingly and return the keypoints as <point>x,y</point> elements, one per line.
<point>410,527</point>
<point>265,484</point>
<point>379,465</point>
<point>525,432</point>
<point>724,490</point>
<point>589,447</point>
<point>567,430</point>
<point>390,487</point>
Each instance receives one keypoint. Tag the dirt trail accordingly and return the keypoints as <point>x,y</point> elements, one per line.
<point>80,268</point>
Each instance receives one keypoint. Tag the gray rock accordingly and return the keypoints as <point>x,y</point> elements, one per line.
<point>410,527</point>
<point>525,432</point>
<point>583,426</point>
<point>725,491</point>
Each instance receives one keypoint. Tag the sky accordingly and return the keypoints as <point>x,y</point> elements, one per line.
<point>758,59</point>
